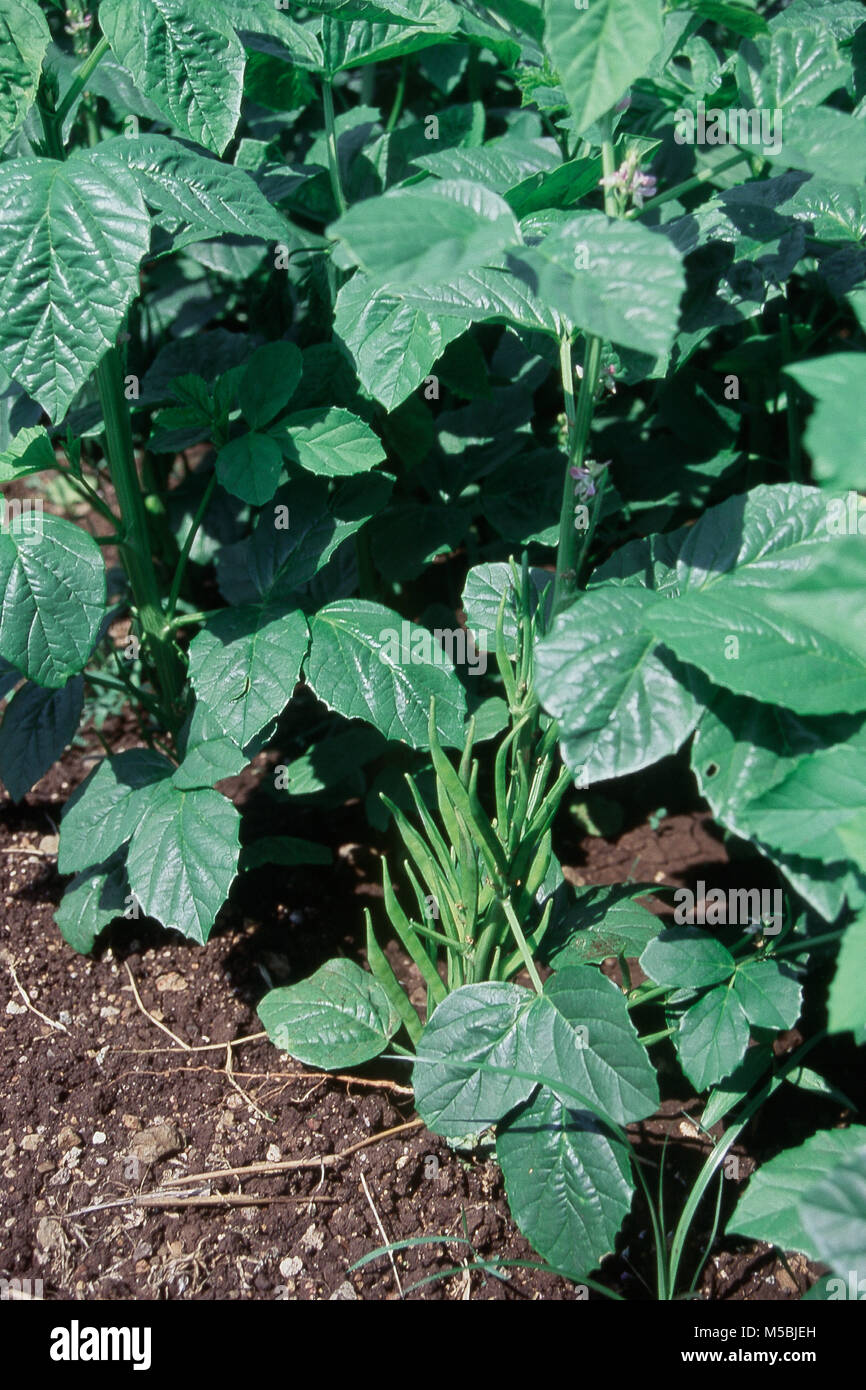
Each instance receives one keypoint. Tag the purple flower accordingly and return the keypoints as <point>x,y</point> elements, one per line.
<point>629,182</point>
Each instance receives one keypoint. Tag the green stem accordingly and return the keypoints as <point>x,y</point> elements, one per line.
<point>806,943</point>
<point>795,453</point>
<point>399,97</point>
<point>686,187</point>
<point>333,152</point>
<point>127,689</point>
<point>522,945</point>
<point>79,82</point>
<point>187,547</point>
<point>187,619</point>
<point>135,548</point>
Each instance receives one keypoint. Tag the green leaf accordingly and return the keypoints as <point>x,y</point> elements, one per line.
<point>768,602</point>
<point>435,231</point>
<point>24,39</point>
<point>183,856</point>
<point>742,748</point>
<point>823,141</point>
<point>600,922</point>
<point>329,441</point>
<point>712,1038</point>
<point>834,435</point>
<point>354,45</point>
<point>616,279</point>
<point>195,196</point>
<point>734,1088</point>
<point>771,1208</point>
<point>393,344</point>
<point>482,595</point>
<point>804,811</point>
<point>792,67</point>
<point>620,702</point>
<point>186,57</point>
<point>600,50</point>
<point>283,849</point>
<point>53,599</point>
<point>770,994</point>
<point>37,726</point>
<point>569,1185</point>
<point>244,666</point>
<point>29,451</point>
<point>103,812</point>
<point>580,1032</point>
<point>687,956</point>
<point>476,1023</point>
<point>327,762</point>
<point>290,545</point>
<point>91,901</point>
<point>500,164</point>
<point>270,379</point>
<point>356,666</point>
<point>249,467</point>
<point>846,1006</point>
<point>435,14</point>
<point>739,18</point>
<point>339,1017</point>
<point>833,1215</point>
<point>72,237</point>
<point>484,293</point>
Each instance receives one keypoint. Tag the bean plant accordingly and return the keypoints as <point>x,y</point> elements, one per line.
<point>478,383</point>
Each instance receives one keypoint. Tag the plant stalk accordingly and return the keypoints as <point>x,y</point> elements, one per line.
<point>135,546</point>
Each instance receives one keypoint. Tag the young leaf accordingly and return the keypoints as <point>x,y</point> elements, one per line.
<point>185,56</point>
<point>53,599</point>
<point>599,50</point>
<point>686,956</point>
<point>271,378</point>
<point>569,1185</point>
<point>72,236</point>
<point>37,726</point>
<point>357,666</point>
<point>183,856</point>
<point>331,442</point>
<point>249,467</point>
<point>713,1036</point>
<point>769,993</point>
<point>339,1017</point>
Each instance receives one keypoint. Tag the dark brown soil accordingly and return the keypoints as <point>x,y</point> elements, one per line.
<point>117,1082</point>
